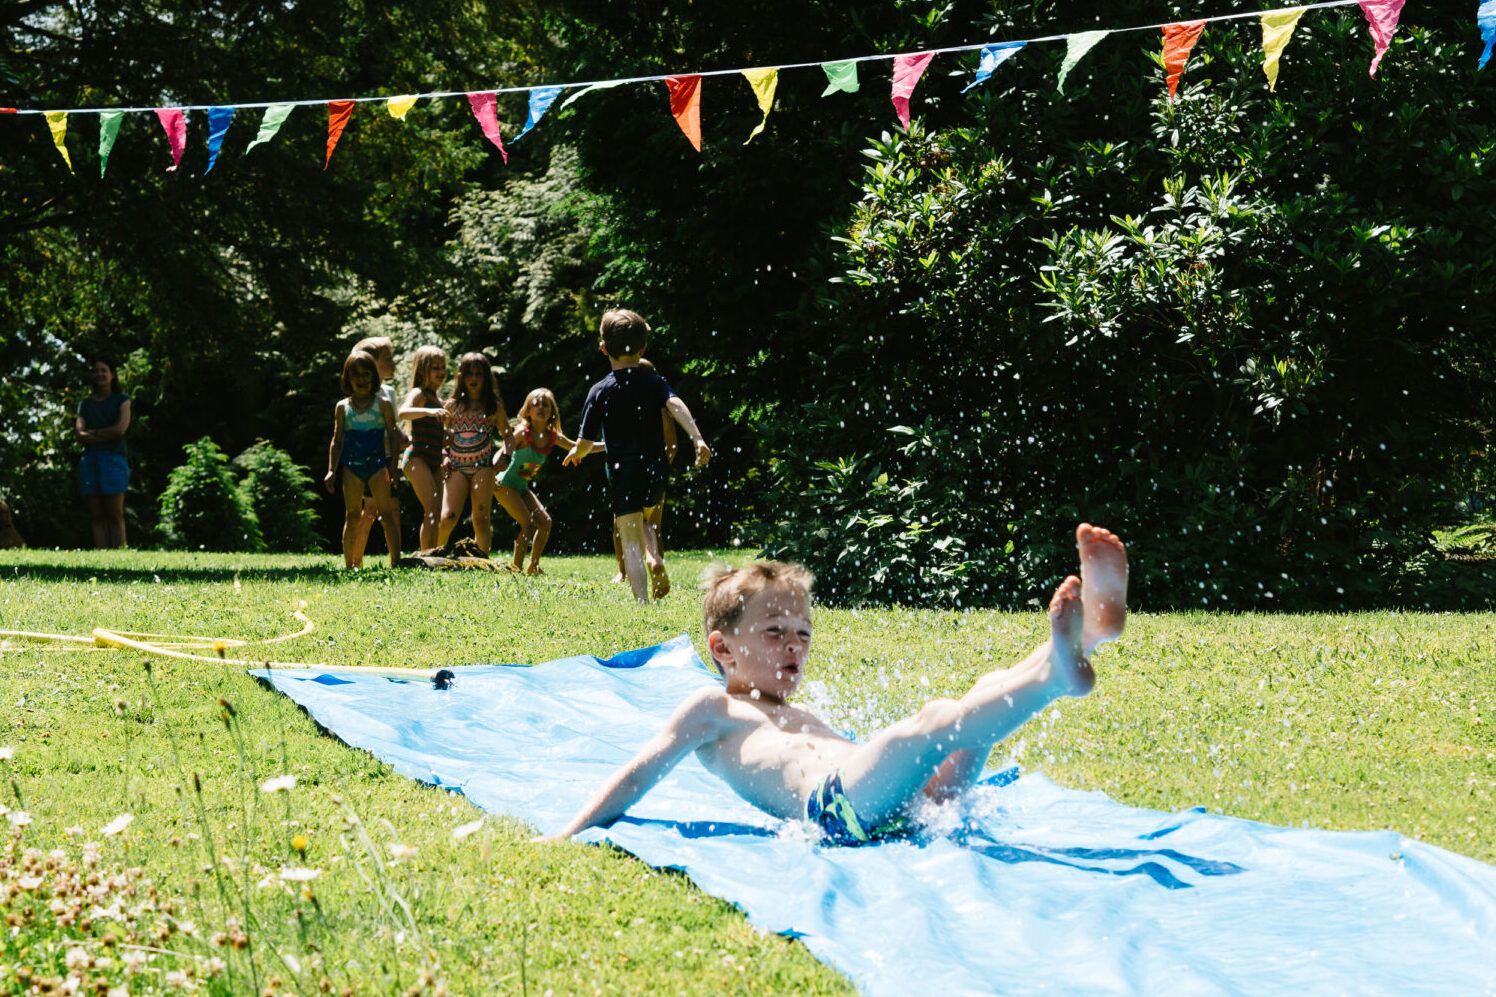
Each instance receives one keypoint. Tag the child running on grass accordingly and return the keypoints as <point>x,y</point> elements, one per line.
<point>536,433</point>
<point>790,763</point>
<point>422,460</point>
<point>654,515</point>
<point>476,413</point>
<point>363,431</point>
<point>623,409</point>
<point>383,352</point>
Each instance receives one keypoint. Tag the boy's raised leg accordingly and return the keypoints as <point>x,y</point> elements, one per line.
<point>884,776</point>
<point>1103,584</point>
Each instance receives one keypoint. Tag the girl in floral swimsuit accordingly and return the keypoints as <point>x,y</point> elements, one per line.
<point>475,413</point>
<point>536,433</point>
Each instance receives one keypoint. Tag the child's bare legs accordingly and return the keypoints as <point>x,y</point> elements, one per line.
<point>353,509</point>
<point>882,777</point>
<point>453,499</point>
<point>618,552</point>
<point>365,526</point>
<point>534,525</point>
<point>631,537</point>
<point>654,558</point>
<point>106,519</point>
<point>482,484</point>
<point>423,482</point>
<point>389,514</point>
<point>540,530</point>
<point>1103,578</point>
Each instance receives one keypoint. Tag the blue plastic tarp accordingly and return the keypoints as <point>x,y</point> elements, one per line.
<point>1022,887</point>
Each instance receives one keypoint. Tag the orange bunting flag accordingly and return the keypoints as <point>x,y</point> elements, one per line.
<point>338,113</point>
<point>1179,39</point>
<point>685,105</point>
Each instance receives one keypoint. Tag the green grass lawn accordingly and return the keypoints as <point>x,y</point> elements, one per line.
<point>1352,721</point>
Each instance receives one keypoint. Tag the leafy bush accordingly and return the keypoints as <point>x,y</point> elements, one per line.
<point>280,494</point>
<point>202,509</point>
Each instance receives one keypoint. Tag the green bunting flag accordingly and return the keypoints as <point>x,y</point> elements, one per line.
<point>1076,47</point>
<point>275,116</point>
<point>109,122</point>
<point>841,77</point>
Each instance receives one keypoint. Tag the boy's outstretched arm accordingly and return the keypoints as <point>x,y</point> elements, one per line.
<point>683,416</point>
<point>695,722</point>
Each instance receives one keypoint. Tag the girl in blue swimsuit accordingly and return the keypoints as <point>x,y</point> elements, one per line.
<point>363,426</point>
<point>536,433</point>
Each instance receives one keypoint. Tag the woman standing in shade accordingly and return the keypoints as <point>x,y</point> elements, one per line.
<point>104,471</point>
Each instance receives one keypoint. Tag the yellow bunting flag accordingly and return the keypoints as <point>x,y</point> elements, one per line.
<point>763,82</point>
<point>57,124</point>
<point>398,106</point>
<point>1277,28</point>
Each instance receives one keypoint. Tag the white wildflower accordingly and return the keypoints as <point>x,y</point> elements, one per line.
<point>400,851</point>
<point>7,753</point>
<point>458,833</point>
<point>291,874</point>
<point>76,957</point>
<point>117,825</point>
<point>278,784</point>
<point>18,818</point>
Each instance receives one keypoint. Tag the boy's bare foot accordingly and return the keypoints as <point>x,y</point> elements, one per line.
<point>619,578</point>
<point>514,569</point>
<point>659,581</point>
<point>534,569</point>
<point>1103,573</point>
<point>1071,671</point>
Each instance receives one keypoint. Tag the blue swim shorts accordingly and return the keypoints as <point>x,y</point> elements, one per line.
<point>828,809</point>
<point>103,472</point>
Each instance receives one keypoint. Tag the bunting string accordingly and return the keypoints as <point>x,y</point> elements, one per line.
<point>684,89</point>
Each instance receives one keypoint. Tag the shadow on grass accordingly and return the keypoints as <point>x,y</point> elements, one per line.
<point>52,572</point>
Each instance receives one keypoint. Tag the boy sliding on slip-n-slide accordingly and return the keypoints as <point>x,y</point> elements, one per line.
<point>788,762</point>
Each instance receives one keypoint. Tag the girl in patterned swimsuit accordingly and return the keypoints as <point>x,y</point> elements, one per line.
<point>363,427</point>
<point>475,411</point>
<point>422,460</point>
<point>536,433</point>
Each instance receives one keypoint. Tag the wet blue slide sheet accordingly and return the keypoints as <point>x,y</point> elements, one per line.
<point>1025,887</point>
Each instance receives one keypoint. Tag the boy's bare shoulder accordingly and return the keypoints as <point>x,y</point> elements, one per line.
<point>705,712</point>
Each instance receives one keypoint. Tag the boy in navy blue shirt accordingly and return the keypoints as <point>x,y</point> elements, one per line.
<point>623,412</point>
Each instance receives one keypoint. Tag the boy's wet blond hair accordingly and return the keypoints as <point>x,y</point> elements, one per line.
<point>375,345</point>
<point>728,590</point>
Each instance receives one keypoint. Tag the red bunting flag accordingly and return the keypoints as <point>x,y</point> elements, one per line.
<point>1381,20</point>
<point>338,113</point>
<point>685,105</point>
<point>486,109</point>
<point>1179,39</point>
<point>907,69</point>
<point>174,121</point>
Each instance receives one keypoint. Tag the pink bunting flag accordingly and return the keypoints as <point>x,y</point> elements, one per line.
<point>685,105</point>
<point>1381,19</point>
<point>1179,39</point>
<point>338,113</point>
<point>486,109</point>
<point>174,121</point>
<point>907,69</point>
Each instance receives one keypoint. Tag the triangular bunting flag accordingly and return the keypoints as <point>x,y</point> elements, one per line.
<point>586,90</point>
<point>174,123</point>
<point>338,113</point>
<point>1277,28</point>
<point>218,126</point>
<point>1485,17</point>
<point>764,82</point>
<point>1381,20</point>
<point>541,99</point>
<point>399,107</point>
<point>992,57</point>
<point>57,124</point>
<point>109,122</point>
<point>685,105</point>
<point>907,69</point>
<point>486,109</point>
<point>1076,47</point>
<point>841,77</point>
<point>1179,39</point>
<point>275,116</point>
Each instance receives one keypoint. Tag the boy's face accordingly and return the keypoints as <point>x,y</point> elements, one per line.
<point>385,361</point>
<point>766,650</point>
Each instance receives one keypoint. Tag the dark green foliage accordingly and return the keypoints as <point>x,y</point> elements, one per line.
<point>202,508</point>
<point>280,495</point>
<point>1242,330</point>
